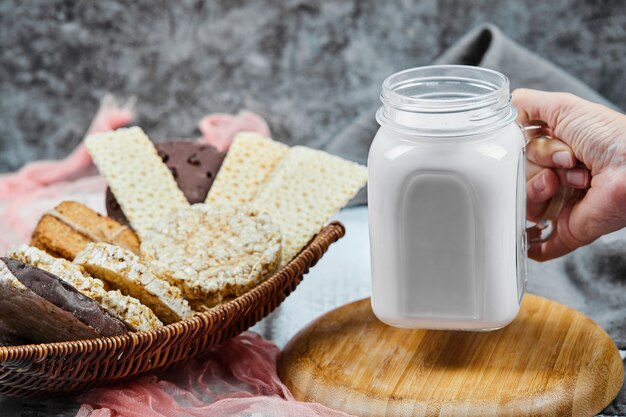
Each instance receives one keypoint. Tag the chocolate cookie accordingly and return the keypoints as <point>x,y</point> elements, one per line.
<point>193,165</point>
<point>40,307</point>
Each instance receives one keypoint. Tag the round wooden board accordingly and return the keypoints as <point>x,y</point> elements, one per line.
<point>551,361</point>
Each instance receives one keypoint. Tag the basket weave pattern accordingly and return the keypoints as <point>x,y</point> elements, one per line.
<point>65,367</point>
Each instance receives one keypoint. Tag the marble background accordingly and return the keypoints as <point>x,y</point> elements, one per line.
<point>309,67</point>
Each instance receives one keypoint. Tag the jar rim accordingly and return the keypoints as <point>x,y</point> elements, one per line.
<point>421,100</point>
<point>493,82</point>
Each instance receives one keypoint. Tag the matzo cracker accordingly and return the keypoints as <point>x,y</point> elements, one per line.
<point>140,181</point>
<point>246,168</point>
<point>304,191</point>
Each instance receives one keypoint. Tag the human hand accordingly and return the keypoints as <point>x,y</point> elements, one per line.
<point>590,155</point>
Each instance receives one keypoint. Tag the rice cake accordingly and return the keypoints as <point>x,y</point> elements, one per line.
<point>130,311</point>
<point>122,270</point>
<point>213,252</point>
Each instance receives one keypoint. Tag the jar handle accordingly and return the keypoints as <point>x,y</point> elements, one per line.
<point>545,228</point>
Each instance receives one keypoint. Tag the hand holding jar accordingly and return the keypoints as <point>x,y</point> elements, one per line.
<point>590,156</point>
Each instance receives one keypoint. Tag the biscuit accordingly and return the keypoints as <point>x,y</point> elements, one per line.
<point>304,191</point>
<point>122,270</point>
<point>70,226</point>
<point>142,184</point>
<point>40,307</point>
<point>213,252</point>
<point>130,311</point>
<point>246,168</point>
<point>193,166</point>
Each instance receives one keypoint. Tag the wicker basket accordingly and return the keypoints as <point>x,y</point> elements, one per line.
<point>66,367</point>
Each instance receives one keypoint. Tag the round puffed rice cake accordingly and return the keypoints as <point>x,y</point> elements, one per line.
<point>213,252</point>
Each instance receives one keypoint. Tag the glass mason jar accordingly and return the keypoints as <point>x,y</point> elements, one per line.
<point>447,200</point>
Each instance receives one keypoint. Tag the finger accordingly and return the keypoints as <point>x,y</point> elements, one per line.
<point>568,116</point>
<point>539,190</point>
<point>578,178</point>
<point>550,153</point>
<point>563,241</point>
<point>550,249</point>
<point>554,246</point>
<point>599,212</point>
<point>534,251</point>
<point>541,105</point>
<point>532,169</point>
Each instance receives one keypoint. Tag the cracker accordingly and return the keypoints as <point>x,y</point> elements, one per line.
<point>38,306</point>
<point>213,252</point>
<point>307,188</point>
<point>142,184</point>
<point>70,226</point>
<point>123,270</point>
<point>246,168</point>
<point>129,310</point>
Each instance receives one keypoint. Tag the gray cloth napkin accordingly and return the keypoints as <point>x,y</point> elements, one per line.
<point>592,279</point>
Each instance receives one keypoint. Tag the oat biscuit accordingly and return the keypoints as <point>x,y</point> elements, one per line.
<point>66,230</point>
<point>122,270</point>
<point>213,252</point>
<point>304,191</point>
<point>129,310</point>
<point>142,184</point>
<point>247,166</point>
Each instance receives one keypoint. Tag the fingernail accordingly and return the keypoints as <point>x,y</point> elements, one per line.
<point>563,159</point>
<point>539,184</point>
<point>576,178</point>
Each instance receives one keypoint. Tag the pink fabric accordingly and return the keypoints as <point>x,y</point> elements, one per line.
<point>237,379</point>
<point>219,129</point>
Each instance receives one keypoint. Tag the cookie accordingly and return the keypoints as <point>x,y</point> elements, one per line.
<point>213,252</point>
<point>246,168</point>
<point>8,338</point>
<point>304,191</point>
<point>70,226</point>
<point>193,165</point>
<point>142,184</point>
<point>122,270</point>
<point>130,311</point>
<point>40,307</point>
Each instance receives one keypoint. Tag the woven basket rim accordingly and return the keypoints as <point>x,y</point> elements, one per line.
<point>218,313</point>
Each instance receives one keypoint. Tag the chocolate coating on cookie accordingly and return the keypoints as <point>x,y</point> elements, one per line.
<point>193,165</point>
<point>66,297</point>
